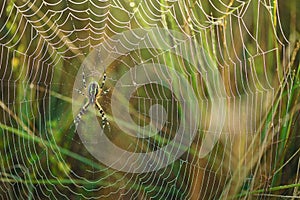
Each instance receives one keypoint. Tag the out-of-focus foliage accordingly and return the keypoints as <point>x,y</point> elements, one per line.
<point>43,44</point>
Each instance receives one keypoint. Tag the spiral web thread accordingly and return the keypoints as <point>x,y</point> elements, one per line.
<point>43,44</point>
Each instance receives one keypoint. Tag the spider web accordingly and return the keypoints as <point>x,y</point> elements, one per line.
<point>43,46</point>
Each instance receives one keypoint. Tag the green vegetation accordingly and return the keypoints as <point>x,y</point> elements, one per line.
<point>254,46</point>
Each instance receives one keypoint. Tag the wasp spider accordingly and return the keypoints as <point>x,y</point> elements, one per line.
<point>94,93</point>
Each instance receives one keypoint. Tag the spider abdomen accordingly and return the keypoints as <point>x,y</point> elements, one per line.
<point>93,90</point>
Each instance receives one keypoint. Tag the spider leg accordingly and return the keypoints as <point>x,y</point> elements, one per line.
<point>103,80</point>
<point>81,112</point>
<point>104,121</point>
<point>80,92</point>
<point>83,78</point>
<point>104,92</point>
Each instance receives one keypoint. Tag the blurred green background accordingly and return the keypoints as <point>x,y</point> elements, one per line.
<point>255,46</point>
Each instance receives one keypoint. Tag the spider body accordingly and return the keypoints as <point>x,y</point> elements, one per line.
<point>93,90</point>
<point>94,93</point>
